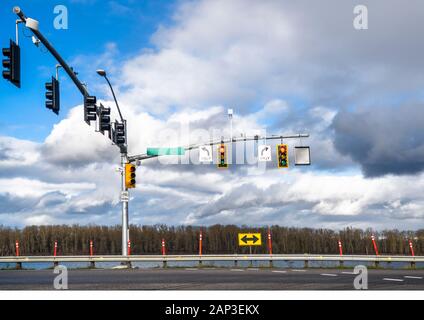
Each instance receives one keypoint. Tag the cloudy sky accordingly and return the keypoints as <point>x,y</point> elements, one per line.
<point>284,67</point>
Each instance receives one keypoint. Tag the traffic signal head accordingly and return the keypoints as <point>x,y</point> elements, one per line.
<point>53,96</point>
<point>104,119</point>
<point>119,134</point>
<point>90,109</point>
<point>282,156</point>
<point>222,156</point>
<point>12,64</point>
<point>129,175</point>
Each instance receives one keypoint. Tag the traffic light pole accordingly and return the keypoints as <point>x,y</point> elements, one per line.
<point>124,199</point>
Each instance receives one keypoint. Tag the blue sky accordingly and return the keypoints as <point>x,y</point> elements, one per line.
<point>283,67</point>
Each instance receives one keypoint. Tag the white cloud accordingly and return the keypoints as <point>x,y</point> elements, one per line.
<point>20,187</point>
<point>72,141</point>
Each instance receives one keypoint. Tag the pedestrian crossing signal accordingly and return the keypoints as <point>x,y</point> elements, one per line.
<point>282,156</point>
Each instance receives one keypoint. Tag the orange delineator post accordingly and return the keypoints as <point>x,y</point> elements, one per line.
<point>17,248</point>
<point>163,247</point>
<point>340,248</point>
<point>375,245</point>
<point>411,248</point>
<point>55,248</point>
<point>200,242</point>
<point>269,241</point>
<point>129,247</point>
<point>91,247</point>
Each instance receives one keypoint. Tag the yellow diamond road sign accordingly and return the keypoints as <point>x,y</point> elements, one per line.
<point>250,239</point>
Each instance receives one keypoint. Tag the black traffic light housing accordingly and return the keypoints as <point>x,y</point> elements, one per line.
<point>119,134</point>
<point>53,95</point>
<point>90,109</point>
<point>12,64</point>
<point>104,118</point>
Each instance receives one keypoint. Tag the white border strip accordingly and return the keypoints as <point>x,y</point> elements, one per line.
<point>211,295</point>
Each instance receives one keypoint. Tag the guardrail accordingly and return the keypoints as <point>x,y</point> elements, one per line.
<point>412,260</point>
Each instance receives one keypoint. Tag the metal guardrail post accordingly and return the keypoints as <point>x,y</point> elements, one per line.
<point>18,266</point>
<point>306,264</point>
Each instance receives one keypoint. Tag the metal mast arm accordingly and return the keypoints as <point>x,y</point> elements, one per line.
<point>229,140</point>
<point>52,50</point>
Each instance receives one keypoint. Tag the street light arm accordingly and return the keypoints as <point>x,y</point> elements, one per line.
<point>114,97</point>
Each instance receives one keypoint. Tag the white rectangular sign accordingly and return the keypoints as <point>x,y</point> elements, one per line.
<point>264,153</point>
<point>302,156</point>
<point>205,154</point>
<point>125,197</point>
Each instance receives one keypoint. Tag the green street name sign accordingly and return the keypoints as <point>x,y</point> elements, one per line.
<point>166,151</point>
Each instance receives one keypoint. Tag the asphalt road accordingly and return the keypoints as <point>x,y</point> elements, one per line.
<point>212,279</point>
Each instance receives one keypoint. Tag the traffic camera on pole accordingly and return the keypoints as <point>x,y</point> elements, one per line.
<point>90,109</point>
<point>282,156</point>
<point>12,64</point>
<point>104,118</point>
<point>53,96</point>
<point>222,156</point>
<point>129,175</point>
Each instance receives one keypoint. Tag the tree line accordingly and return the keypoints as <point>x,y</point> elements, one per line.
<point>217,239</point>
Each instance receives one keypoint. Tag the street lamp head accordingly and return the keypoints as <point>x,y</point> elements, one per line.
<point>101,72</point>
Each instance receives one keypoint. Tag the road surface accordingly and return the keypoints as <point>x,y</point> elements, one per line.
<point>212,279</point>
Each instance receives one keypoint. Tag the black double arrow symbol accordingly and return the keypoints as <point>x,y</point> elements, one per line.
<point>254,239</point>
